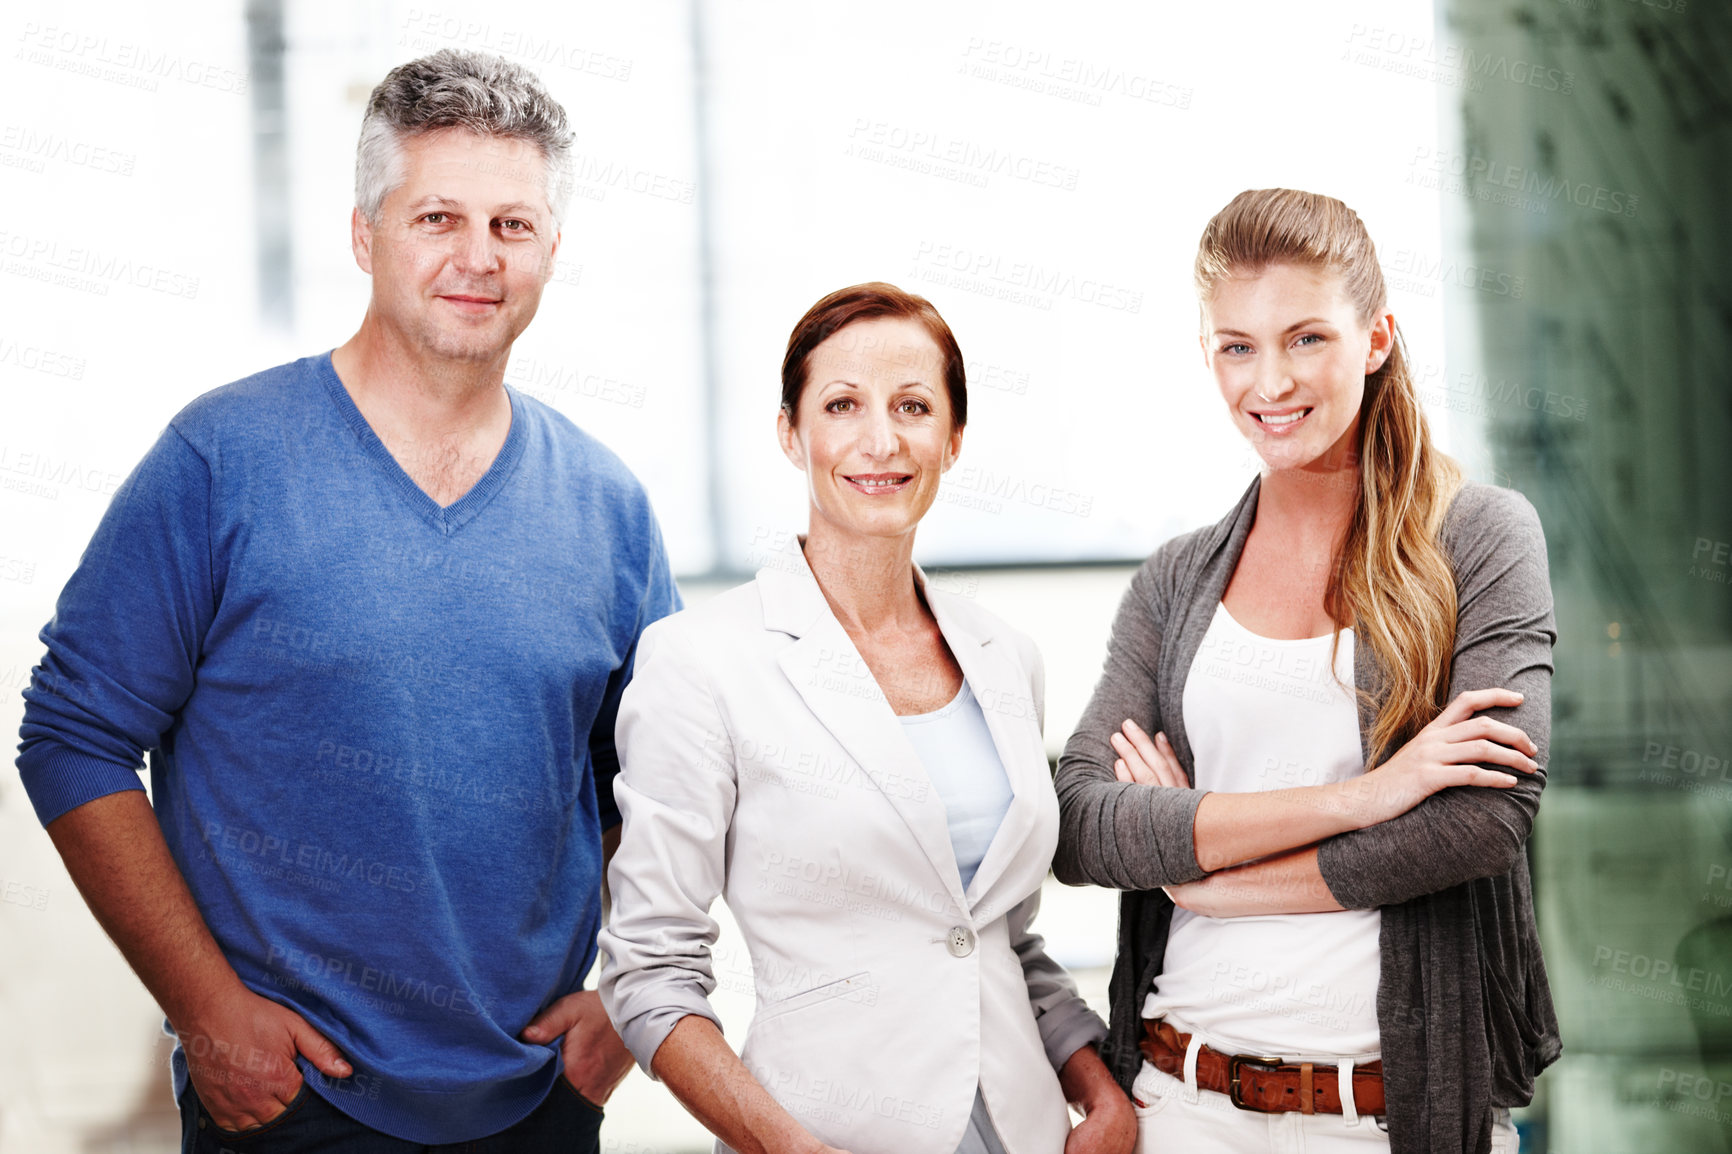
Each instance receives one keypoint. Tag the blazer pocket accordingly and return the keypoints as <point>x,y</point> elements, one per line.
<point>854,984</point>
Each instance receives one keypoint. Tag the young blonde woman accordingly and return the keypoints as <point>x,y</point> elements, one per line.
<point>1316,751</point>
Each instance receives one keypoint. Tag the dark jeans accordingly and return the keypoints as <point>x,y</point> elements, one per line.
<point>566,1123</point>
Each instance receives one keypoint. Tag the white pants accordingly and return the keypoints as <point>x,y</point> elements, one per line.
<point>1174,1119</point>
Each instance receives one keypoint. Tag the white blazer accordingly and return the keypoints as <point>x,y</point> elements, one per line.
<point>761,762</point>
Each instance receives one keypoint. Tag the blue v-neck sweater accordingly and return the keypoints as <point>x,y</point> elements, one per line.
<point>380,731</point>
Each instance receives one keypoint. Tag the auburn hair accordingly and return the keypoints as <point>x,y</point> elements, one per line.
<point>863,302</point>
<point>1390,579</point>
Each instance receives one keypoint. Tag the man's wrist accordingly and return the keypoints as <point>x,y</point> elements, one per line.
<point>209,1001</point>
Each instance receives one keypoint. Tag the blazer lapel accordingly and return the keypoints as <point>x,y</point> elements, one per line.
<point>1006,701</point>
<point>830,676</point>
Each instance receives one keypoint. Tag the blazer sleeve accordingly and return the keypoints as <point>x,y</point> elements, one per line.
<point>1112,833</point>
<point>1504,636</point>
<point>1065,1022</point>
<point>676,792</point>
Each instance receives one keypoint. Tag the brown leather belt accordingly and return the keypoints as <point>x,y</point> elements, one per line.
<point>1265,1085</point>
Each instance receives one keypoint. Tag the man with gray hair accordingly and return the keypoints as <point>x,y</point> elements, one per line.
<point>370,614</point>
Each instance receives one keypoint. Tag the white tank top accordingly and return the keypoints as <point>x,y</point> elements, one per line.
<point>956,749</point>
<point>1267,714</point>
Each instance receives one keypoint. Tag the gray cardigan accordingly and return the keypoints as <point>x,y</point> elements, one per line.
<point>1463,1007</point>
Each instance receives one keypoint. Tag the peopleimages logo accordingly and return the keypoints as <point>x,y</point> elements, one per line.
<point>1661,980</point>
<point>35,149</point>
<point>36,466</point>
<point>1486,178</point>
<point>327,973</point>
<point>101,57</point>
<point>1421,55</point>
<point>931,152</point>
<point>89,269</point>
<point>426,30</point>
<point>1066,77</point>
<point>1417,272</point>
<point>1016,282</point>
<point>37,359</point>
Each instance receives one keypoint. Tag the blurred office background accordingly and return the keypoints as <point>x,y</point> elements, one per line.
<point>1546,180</point>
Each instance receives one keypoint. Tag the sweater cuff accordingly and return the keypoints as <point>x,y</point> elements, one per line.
<point>1345,885</point>
<point>60,779</point>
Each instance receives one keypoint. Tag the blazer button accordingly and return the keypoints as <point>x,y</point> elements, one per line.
<point>960,941</point>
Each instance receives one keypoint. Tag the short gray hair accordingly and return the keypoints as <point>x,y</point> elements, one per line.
<point>478,91</point>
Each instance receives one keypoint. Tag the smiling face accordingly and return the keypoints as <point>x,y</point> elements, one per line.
<point>463,245</point>
<point>873,432</point>
<point>1291,354</point>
